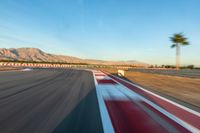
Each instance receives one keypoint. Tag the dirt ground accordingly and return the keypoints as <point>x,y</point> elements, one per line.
<point>190,73</point>
<point>183,88</point>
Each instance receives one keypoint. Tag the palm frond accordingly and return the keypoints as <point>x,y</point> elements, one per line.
<point>185,43</point>
<point>173,45</point>
<point>179,38</point>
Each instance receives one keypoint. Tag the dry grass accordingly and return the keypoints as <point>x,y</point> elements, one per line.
<point>185,89</point>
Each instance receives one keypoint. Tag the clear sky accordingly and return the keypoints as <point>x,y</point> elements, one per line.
<point>103,29</point>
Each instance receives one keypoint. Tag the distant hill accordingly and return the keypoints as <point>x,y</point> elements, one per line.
<point>34,54</point>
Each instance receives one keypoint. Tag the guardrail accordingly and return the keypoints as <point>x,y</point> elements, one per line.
<point>38,65</point>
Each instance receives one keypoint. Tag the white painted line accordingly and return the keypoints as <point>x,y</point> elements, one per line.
<point>27,69</point>
<point>106,122</point>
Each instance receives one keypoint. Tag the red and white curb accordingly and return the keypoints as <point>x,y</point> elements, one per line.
<point>123,109</point>
<point>106,121</point>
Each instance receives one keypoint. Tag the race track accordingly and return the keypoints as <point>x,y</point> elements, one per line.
<point>42,100</point>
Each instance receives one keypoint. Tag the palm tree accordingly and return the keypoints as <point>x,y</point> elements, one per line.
<point>178,40</point>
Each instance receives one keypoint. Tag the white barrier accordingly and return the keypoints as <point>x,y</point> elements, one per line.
<point>121,72</point>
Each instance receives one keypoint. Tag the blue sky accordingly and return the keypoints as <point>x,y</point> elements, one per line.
<point>103,29</point>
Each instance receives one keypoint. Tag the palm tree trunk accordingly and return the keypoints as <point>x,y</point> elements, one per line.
<point>177,56</point>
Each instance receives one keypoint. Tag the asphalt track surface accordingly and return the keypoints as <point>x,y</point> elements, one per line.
<point>48,100</point>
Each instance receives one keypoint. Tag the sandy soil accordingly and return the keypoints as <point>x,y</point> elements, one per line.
<point>190,73</point>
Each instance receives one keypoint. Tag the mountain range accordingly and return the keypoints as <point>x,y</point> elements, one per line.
<point>35,54</point>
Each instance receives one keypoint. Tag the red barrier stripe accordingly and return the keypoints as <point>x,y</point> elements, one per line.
<point>106,81</point>
<point>127,117</point>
